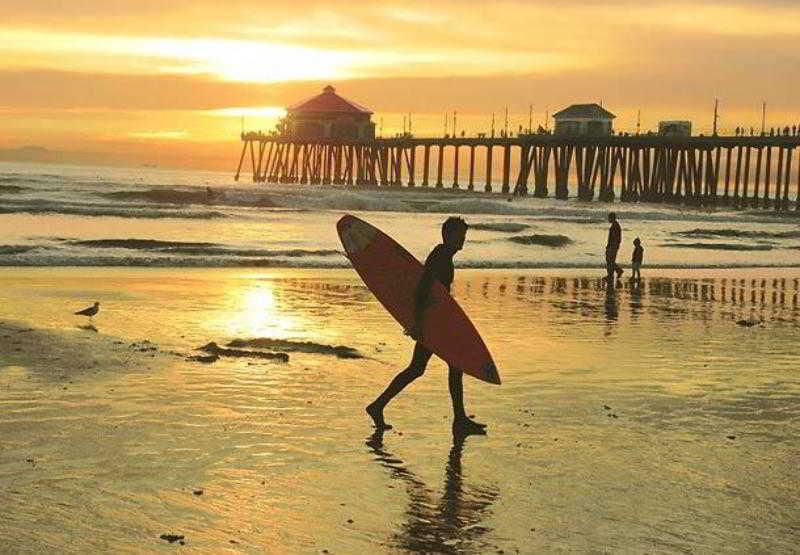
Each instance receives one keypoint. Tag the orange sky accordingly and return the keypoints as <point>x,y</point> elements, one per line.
<point>165,82</point>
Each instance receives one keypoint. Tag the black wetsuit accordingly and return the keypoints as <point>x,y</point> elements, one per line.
<point>612,247</point>
<point>438,266</point>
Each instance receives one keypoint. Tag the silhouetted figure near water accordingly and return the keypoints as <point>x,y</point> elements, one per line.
<point>438,266</point>
<point>612,248</point>
<point>636,259</point>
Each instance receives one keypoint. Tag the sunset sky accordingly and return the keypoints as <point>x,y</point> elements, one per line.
<point>152,81</point>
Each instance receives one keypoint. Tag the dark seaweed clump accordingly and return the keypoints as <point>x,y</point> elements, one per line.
<point>554,241</point>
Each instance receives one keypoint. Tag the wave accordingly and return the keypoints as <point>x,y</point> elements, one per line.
<point>16,249</point>
<point>199,196</point>
<point>719,246</point>
<point>65,260</point>
<point>507,227</point>
<point>36,208</point>
<point>11,189</point>
<point>51,260</point>
<point>746,233</point>
<point>479,206</point>
<point>555,241</point>
<point>344,200</point>
<point>339,351</point>
<point>198,248</point>
<point>143,244</point>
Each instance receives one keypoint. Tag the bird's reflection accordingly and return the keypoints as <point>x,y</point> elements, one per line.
<point>453,524</point>
<point>88,327</point>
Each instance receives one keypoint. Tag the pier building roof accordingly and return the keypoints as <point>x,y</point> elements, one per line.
<point>328,102</point>
<point>587,111</point>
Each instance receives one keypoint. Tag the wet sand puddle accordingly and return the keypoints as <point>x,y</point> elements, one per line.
<point>659,418</point>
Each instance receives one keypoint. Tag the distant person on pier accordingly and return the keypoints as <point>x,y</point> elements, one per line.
<point>636,260</point>
<point>612,248</point>
<point>438,267</point>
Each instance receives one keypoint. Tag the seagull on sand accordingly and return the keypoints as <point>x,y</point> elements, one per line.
<point>91,311</point>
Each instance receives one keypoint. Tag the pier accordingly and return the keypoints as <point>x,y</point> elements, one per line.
<point>757,172</point>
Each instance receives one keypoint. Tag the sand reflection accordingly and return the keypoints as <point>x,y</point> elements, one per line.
<point>453,524</point>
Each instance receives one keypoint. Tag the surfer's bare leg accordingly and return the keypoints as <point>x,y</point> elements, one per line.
<point>415,369</point>
<point>461,422</point>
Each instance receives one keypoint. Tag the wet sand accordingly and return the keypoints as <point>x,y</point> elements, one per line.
<point>660,418</point>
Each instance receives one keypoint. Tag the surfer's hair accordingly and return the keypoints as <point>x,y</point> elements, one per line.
<point>453,224</point>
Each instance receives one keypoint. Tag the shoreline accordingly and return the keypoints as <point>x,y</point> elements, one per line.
<point>687,383</point>
<point>548,269</point>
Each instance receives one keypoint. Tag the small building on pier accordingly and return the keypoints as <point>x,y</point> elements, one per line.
<point>676,128</point>
<point>584,120</point>
<point>328,116</point>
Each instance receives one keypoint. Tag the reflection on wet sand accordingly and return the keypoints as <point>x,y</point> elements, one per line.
<point>682,298</point>
<point>454,524</point>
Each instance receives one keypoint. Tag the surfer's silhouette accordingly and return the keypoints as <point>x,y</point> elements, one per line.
<point>438,266</point>
<point>612,247</point>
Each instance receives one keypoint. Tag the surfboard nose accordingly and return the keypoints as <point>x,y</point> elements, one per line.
<point>356,235</point>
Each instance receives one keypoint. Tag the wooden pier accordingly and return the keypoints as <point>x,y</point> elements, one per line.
<point>739,172</point>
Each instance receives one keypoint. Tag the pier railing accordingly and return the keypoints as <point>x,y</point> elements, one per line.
<point>741,172</point>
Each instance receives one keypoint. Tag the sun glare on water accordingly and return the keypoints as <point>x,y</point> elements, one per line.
<point>254,311</point>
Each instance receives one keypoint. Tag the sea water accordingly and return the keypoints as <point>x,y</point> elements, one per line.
<point>81,216</point>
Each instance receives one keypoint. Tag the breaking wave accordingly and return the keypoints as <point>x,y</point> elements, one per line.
<point>16,249</point>
<point>35,208</point>
<point>344,200</point>
<point>198,248</point>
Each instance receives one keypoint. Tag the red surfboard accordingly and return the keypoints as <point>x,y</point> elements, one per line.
<point>392,274</point>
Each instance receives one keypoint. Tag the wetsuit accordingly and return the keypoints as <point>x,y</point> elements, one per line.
<point>438,266</point>
<point>612,247</point>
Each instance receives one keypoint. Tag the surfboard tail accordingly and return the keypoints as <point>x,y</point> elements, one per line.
<point>490,371</point>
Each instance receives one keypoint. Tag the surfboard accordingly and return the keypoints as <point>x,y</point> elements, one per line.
<point>392,274</point>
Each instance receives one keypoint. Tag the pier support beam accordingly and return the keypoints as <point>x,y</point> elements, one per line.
<point>440,167</point>
<point>488,186</point>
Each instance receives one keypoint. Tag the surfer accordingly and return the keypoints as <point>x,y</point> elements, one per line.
<point>438,266</point>
<point>612,247</point>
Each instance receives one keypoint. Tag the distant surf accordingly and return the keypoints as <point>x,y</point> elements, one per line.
<point>94,216</point>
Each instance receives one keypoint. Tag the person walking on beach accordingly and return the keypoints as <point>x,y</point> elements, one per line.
<point>438,266</point>
<point>636,260</point>
<point>612,247</point>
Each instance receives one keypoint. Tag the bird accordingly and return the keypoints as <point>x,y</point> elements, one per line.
<point>90,311</point>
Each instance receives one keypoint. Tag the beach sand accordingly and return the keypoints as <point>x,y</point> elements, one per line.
<point>659,418</point>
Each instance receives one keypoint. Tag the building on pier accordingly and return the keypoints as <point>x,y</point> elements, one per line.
<point>675,128</point>
<point>328,116</point>
<point>584,120</point>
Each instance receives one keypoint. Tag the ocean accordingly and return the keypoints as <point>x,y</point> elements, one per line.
<point>655,417</point>
<point>101,216</point>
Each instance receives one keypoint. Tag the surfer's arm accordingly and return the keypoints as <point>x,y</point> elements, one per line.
<point>423,292</point>
<point>424,288</point>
